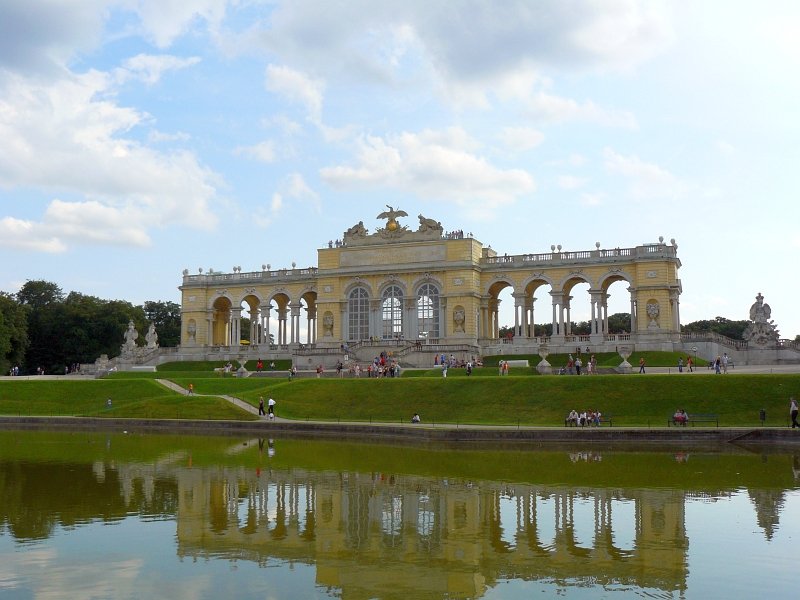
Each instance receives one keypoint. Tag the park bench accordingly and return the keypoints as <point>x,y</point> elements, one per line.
<point>694,418</point>
<point>604,420</point>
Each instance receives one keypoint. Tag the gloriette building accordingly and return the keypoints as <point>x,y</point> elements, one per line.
<point>422,290</point>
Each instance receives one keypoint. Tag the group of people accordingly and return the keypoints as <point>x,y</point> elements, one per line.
<point>587,418</point>
<point>689,364</point>
<point>720,364</point>
<point>575,366</point>
<point>270,413</point>
<point>260,365</point>
<point>680,417</point>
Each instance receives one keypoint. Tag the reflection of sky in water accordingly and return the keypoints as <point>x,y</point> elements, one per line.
<point>129,560</point>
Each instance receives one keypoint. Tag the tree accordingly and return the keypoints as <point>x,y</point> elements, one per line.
<point>166,316</point>
<point>720,325</point>
<point>619,323</point>
<point>38,293</point>
<point>13,332</point>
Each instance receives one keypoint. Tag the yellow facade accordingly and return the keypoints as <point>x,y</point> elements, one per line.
<point>427,287</point>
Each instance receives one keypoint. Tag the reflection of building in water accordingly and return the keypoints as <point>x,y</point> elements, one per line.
<point>432,537</point>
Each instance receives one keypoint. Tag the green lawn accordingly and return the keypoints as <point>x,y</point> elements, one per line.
<point>524,398</point>
<point>134,398</point>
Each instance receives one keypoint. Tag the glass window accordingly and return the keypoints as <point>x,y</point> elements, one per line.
<point>428,311</point>
<point>358,314</point>
<point>392,313</point>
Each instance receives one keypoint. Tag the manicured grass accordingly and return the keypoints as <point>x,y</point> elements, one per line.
<point>604,359</point>
<point>633,400</point>
<point>524,398</point>
<point>131,398</point>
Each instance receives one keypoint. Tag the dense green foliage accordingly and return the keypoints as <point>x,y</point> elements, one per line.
<point>13,332</point>
<point>60,331</point>
<point>720,325</point>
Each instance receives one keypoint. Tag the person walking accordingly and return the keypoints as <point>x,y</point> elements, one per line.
<point>271,408</point>
<point>641,365</point>
<point>191,389</point>
<point>261,412</point>
<point>793,412</point>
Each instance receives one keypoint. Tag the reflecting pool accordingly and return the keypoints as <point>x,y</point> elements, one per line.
<point>88,515</point>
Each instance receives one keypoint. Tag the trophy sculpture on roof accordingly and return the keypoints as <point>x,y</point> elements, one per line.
<point>392,226</point>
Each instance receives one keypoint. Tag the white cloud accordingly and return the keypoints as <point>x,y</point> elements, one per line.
<point>69,135</point>
<point>296,87</point>
<point>432,164</point>
<point>263,151</point>
<point>26,235</point>
<point>646,179</point>
<point>595,199</point>
<point>149,68</point>
<point>155,137</point>
<point>520,139</point>
<point>484,43</point>
<point>547,108</point>
<point>724,147</point>
<point>163,21</point>
<point>570,182</point>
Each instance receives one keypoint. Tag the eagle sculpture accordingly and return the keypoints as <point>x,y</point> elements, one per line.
<point>392,214</point>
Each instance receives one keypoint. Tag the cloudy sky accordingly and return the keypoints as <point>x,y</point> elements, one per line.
<point>142,137</point>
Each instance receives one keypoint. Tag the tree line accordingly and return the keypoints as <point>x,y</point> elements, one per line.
<point>43,328</point>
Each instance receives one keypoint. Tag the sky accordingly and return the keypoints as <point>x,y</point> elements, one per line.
<point>139,138</point>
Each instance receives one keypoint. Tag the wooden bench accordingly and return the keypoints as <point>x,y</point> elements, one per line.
<point>694,418</point>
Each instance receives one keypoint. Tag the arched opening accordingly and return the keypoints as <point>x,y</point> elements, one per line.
<point>277,319</point>
<point>576,307</point>
<point>537,318</point>
<point>308,303</point>
<point>500,311</point>
<point>221,322</point>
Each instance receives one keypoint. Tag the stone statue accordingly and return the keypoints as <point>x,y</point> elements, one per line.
<point>151,337</point>
<point>653,310</point>
<point>129,347</point>
<point>357,230</point>
<point>761,331</point>
<point>426,224</point>
<point>760,312</point>
<point>327,325</point>
<point>458,319</point>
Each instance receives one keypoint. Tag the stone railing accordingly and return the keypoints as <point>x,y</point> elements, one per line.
<point>252,277</point>
<point>582,256</point>
<point>710,336</point>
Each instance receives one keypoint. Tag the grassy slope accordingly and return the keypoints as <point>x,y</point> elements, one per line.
<point>134,397</point>
<point>633,400</point>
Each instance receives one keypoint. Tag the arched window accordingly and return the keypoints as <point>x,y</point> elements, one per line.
<point>428,311</point>
<point>392,313</point>
<point>358,314</point>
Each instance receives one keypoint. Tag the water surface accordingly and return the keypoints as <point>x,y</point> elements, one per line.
<point>87,515</point>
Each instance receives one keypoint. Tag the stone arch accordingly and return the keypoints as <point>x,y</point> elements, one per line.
<point>221,311</point>
<point>282,309</point>
<point>526,301</point>
<point>358,283</point>
<point>565,302</point>
<point>308,302</point>
<point>490,306</point>
<point>614,277</point>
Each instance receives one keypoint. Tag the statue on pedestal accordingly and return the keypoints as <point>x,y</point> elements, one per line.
<point>129,347</point>
<point>152,337</point>
<point>761,331</point>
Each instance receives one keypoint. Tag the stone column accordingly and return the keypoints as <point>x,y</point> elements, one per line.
<point>633,310</point>
<point>444,319</point>
<point>518,307</point>
<point>268,310</point>
<point>410,318</point>
<point>568,324</point>
<point>236,327</point>
<point>311,313</point>
<point>210,324</point>
<point>255,318</point>
<point>376,323</point>
<point>295,323</point>
<point>484,319</point>
<point>554,325</point>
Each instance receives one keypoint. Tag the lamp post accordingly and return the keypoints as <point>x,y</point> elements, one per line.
<point>694,349</point>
